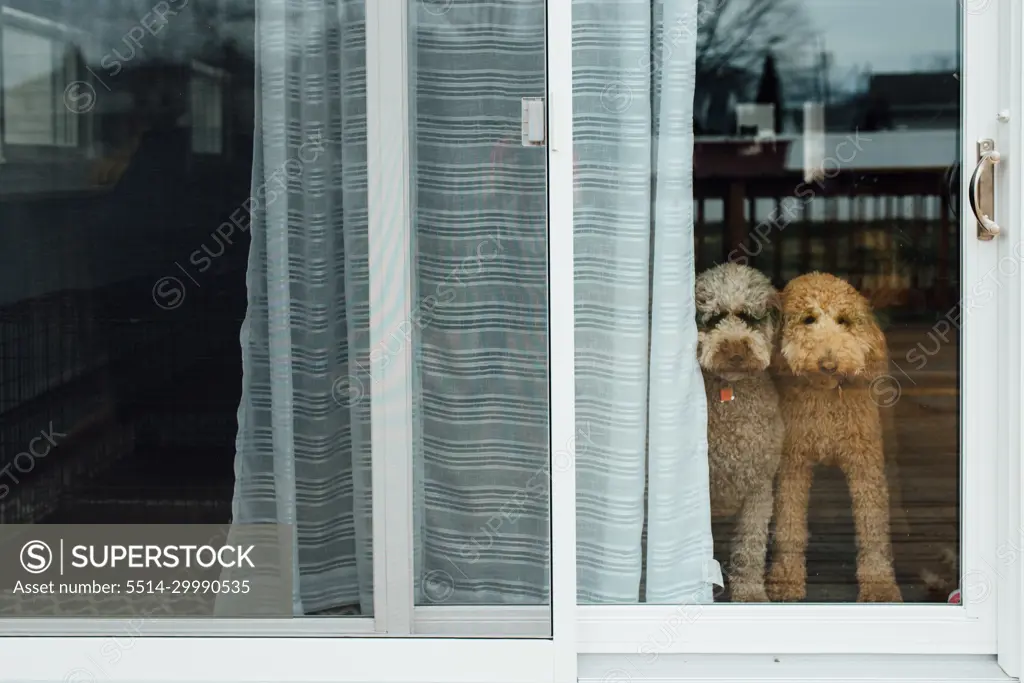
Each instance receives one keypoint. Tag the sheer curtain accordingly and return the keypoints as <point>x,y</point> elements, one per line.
<point>480,348</point>
<point>639,392</point>
<point>480,265</point>
<point>303,444</point>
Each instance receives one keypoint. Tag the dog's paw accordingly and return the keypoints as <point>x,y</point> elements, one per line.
<point>786,583</point>
<point>881,591</point>
<point>748,591</point>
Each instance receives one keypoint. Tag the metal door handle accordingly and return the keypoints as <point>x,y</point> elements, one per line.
<point>982,189</point>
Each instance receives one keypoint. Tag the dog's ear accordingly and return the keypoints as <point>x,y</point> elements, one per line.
<point>773,306</point>
<point>778,364</point>
<point>876,361</point>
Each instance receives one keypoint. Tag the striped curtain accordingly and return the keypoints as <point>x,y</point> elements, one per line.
<point>480,305</point>
<point>639,392</point>
<point>303,444</point>
<point>480,264</point>
<point>483,452</point>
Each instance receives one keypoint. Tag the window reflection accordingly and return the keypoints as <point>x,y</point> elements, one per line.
<point>826,143</point>
<point>126,137</point>
<point>826,137</point>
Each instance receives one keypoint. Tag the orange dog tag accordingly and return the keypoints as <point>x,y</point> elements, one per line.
<point>725,394</point>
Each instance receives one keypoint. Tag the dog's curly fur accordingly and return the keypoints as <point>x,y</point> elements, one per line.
<point>737,315</point>
<point>831,352</point>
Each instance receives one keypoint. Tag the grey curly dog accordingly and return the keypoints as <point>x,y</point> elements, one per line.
<point>737,321</point>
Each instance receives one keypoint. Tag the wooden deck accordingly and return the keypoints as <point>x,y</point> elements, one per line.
<point>924,482</point>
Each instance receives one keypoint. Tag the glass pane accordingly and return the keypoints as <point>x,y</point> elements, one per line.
<point>797,431</point>
<point>184,321</point>
<point>479,337</point>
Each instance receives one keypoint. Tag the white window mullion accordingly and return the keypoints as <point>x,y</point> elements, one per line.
<point>561,338</point>
<point>390,267</point>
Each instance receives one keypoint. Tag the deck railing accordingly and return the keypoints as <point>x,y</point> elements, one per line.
<point>892,231</point>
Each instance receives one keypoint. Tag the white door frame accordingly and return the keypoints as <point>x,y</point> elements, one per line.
<point>992,494</point>
<point>991,600</point>
<point>1010,350</point>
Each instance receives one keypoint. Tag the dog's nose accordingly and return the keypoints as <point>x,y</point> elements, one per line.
<point>827,365</point>
<point>736,359</point>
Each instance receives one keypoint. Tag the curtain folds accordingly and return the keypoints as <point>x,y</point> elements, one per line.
<point>639,392</point>
<point>481,274</point>
<point>302,450</point>
<point>480,411</point>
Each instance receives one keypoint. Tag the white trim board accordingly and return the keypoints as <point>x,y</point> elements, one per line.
<point>247,660</point>
<point>792,629</point>
<point>1010,477</point>
<point>790,668</point>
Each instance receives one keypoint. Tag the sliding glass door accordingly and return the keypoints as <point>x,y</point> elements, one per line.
<point>459,359</point>
<point>286,264</point>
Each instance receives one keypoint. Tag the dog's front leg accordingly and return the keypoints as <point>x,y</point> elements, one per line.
<point>746,572</point>
<point>864,469</point>
<point>787,580</point>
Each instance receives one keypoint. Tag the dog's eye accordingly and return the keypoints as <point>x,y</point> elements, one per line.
<point>809,320</point>
<point>750,319</point>
<point>714,320</point>
<point>843,320</point>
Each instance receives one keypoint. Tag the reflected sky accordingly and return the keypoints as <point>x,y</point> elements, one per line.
<point>890,35</point>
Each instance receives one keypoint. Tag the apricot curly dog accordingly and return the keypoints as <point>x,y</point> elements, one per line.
<point>737,318</point>
<point>830,352</point>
